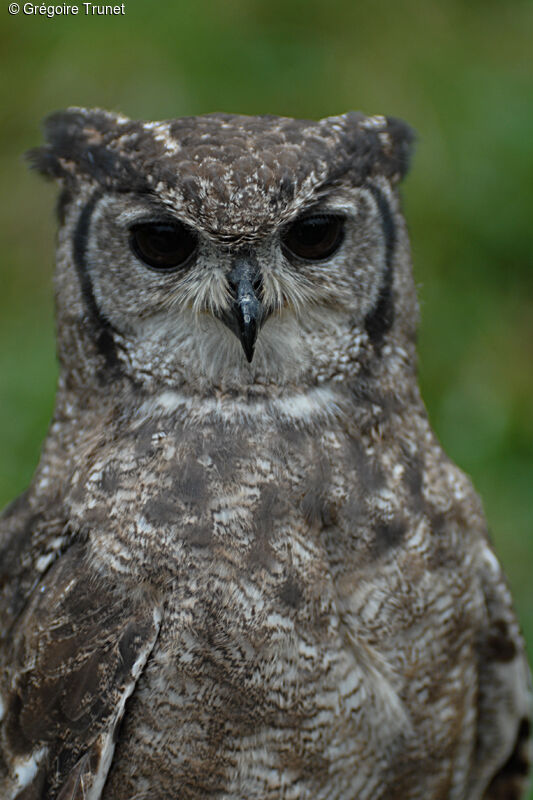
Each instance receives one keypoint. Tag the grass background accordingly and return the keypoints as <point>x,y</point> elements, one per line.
<point>458,71</point>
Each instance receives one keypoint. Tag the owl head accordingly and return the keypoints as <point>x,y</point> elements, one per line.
<point>230,253</point>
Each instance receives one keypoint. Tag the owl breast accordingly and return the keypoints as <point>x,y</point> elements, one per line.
<point>292,641</point>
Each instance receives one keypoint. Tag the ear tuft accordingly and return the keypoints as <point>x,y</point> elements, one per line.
<point>373,146</point>
<point>76,141</point>
<point>403,139</point>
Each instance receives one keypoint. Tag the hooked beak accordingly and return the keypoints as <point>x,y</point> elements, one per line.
<point>245,316</point>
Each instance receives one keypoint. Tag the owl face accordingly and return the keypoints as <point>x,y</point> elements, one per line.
<point>229,252</point>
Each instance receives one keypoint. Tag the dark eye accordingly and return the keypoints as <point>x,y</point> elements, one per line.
<point>162,245</point>
<point>315,237</point>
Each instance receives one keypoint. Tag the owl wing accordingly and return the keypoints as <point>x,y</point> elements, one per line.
<point>502,757</point>
<point>74,657</point>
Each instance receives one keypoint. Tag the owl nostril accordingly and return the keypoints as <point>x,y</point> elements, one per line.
<point>245,275</point>
<point>257,285</point>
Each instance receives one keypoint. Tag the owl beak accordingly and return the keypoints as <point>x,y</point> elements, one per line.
<point>246,313</point>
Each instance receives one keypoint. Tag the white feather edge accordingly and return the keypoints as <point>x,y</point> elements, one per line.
<point>318,403</point>
<point>25,769</point>
<point>106,739</point>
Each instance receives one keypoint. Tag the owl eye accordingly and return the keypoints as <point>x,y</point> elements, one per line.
<point>162,245</point>
<point>315,237</point>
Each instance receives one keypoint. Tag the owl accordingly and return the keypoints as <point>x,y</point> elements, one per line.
<point>245,569</point>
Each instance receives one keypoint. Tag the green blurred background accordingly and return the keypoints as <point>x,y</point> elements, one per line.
<point>458,71</point>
